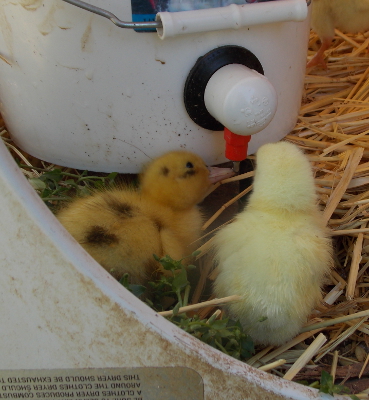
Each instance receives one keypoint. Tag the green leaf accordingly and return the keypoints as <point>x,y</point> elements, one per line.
<point>176,309</point>
<point>212,319</point>
<point>232,343</point>
<point>247,346</point>
<point>184,322</point>
<point>98,184</point>
<point>180,280</point>
<point>54,175</point>
<point>219,324</point>
<point>37,183</point>
<point>124,280</point>
<point>111,177</point>
<point>46,193</point>
<point>224,333</point>
<point>167,262</point>
<point>137,290</point>
<point>83,191</point>
<point>196,253</point>
<point>70,182</point>
<point>326,383</point>
<point>167,265</point>
<point>195,327</point>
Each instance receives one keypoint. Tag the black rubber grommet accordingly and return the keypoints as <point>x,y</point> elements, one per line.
<point>199,77</point>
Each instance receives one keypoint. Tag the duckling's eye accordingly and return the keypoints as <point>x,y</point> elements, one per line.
<point>189,165</point>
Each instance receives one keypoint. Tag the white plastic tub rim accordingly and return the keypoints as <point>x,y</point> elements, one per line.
<point>62,310</point>
<point>186,17</point>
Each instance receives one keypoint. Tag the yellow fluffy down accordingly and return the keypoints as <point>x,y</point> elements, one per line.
<point>350,16</point>
<point>123,228</point>
<point>276,253</point>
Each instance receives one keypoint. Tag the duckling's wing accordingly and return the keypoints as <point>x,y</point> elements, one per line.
<point>112,227</point>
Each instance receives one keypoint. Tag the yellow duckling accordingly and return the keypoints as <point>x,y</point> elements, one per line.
<point>277,252</point>
<point>122,228</point>
<point>350,16</point>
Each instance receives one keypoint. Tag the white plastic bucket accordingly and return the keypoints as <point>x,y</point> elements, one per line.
<point>78,91</point>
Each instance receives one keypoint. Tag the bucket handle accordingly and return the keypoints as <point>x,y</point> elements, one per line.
<point>169,24</point>
<point>113,18</point>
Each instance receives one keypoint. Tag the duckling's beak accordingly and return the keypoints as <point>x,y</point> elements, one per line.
<point>218,174</point>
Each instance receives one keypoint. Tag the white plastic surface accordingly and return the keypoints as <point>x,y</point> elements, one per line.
<point>60,309</point>
<point>230,17</point>
<point>81,92</point>
<point>243,100</point>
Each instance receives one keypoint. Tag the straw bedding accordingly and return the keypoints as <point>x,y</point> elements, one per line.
<point>332,129</point>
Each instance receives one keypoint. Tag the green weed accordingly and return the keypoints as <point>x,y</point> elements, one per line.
<point>56,185</point>
<point>225,335</point>
<point>326,385</point>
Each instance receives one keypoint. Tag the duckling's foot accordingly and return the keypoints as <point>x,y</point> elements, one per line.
<point>318,59</point>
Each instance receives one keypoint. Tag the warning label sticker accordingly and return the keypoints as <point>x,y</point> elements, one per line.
<point>148,383</point>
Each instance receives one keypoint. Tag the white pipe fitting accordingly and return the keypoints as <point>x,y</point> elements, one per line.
<point>230,17</point>
<point>241,99</point>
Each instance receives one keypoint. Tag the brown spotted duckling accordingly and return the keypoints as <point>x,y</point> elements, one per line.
<point>123,228</point>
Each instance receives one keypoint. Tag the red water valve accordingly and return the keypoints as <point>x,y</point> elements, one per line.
<point>236,145</point>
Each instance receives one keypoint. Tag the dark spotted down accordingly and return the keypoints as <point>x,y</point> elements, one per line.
<point>98,235</point>
<point>121,209</point>
<point>151,268</point>
<point>158,224</point>
<point>165,171</point>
